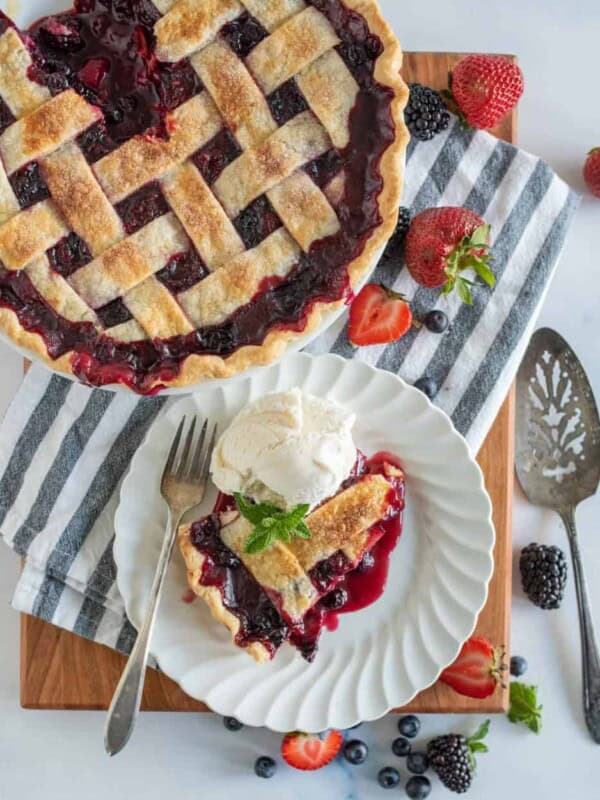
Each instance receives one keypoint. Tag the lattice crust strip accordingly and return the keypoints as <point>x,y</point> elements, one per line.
<point>202,215</point>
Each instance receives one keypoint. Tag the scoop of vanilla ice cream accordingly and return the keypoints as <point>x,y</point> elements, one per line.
<point>286,449</point>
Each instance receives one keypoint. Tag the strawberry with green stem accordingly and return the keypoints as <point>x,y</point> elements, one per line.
<point>445,242</point>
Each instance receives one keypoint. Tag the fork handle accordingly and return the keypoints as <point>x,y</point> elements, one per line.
<point>589,644</point>
<point>125,706</point>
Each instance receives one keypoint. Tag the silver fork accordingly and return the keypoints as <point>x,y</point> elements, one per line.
<point>183,486</point>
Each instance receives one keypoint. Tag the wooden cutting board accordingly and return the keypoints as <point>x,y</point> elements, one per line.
<point>62,671</point>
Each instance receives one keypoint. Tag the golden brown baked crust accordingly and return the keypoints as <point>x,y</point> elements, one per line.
<point>197,121</point>
<point>341,523</point>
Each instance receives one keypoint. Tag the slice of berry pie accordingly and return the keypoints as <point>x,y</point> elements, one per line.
<point>186,187</point>
<point>291,590</point>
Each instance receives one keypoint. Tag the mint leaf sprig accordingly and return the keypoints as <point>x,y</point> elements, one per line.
<point>473,252</point>
<point>476,745</point>
<point>524,706</point>
<point>271,524</point>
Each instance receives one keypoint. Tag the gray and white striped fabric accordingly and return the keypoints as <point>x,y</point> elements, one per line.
<point>64,449</point>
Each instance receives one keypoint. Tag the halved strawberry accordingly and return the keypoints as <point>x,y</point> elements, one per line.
<point>478,669</point>
<point>378,316</point>
<point>308,751</point>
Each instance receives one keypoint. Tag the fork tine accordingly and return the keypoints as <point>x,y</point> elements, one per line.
<point>174,448</point>
<point>206,459</point>
<point>194,472</point>
<point>183,466</point>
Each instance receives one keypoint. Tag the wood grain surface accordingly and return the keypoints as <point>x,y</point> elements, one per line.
<point>62,671</point>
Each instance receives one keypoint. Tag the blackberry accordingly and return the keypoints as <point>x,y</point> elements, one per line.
<point>425,115</point>
<point>395,246</point>
<point>452,758</point>
<point>543,574</point>
<point>449,758</point>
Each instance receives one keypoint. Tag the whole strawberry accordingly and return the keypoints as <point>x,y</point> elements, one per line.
<point>591,171</point>
<point>485,88</point>
<point>444,242</point>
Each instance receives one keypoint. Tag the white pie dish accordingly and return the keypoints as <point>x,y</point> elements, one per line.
<point>378,658</point>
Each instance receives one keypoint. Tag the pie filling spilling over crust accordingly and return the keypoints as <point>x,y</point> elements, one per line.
<point>281,594</point>
<point>185,186</point>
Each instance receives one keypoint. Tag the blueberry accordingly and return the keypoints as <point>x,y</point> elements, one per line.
<point>436,322</point>
<point>401,747</point>
<point>355,751</point>
<point>336,599</point>
<point>518,666</point>
<point>388,777</point>
<point>417,763</point>
<point>232,724</point>
<point>409,726</point>
<point>265,767</point>
<point>428,386</point>
<point>418,788</point>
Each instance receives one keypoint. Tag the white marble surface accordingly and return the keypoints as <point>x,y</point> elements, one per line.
<point>61,755</point>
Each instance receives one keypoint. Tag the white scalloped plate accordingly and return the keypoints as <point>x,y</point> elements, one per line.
<point>378,658</point>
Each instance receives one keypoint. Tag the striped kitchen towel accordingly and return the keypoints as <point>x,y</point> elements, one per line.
<point>64,448</point>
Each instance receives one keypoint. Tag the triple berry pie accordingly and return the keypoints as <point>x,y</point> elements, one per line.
<point>292,589</point>
<point>186,186</point>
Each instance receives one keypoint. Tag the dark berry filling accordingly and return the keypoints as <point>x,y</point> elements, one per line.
<point>29,185</point>
<point>221,151</point>
<point>105,51</point>
<point>342,586</point>
<point>95,143</point>
<point>242,595</point>
<point>177,83</point>
<point>68,255</point>
<point>20,295</point>
<point>243,34</point>
<point>324,169</point>
<point>182,272</point>
<point>326,575</point>
<point>257,222</point>
<point>287,102</point>
<point>141,207</point>
<point>113,314</point>
<point>6,115</point>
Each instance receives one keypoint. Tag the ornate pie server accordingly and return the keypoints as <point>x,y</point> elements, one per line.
<point>558,466</point>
